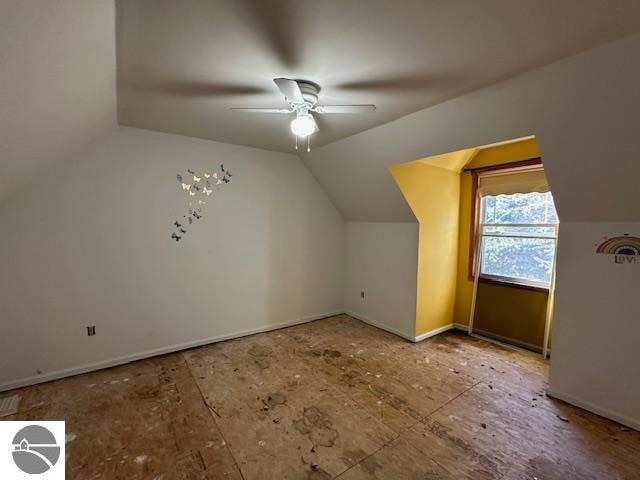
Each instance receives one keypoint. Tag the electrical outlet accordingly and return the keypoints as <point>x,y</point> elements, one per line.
<point>362,294</point>
<point>91,330</point>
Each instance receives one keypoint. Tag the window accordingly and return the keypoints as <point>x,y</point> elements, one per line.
<point>518,238</point>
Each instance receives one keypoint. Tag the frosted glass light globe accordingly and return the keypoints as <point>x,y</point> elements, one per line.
<point>303,125</point>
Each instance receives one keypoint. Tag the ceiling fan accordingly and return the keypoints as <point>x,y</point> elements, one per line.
<point>302,97</point>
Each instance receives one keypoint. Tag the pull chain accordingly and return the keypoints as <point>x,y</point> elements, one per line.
<point>296,141</point>
<point>308,143</point>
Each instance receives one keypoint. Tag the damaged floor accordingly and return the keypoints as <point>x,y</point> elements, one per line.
<point>334,398</point>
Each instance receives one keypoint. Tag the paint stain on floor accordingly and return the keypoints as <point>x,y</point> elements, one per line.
<point>334,398</point>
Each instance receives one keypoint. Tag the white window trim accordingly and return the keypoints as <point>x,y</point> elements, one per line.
<point>515,281</point>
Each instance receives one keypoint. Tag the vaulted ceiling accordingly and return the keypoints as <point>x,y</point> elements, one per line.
<point>583,111</point>
<point>182,64</point>
<point>57,83</point>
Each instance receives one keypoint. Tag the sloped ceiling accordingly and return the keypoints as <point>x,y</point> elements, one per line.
<point>57,72</point>
<point>182,64</point>
<point>582,110</point>
<point>57,83</point>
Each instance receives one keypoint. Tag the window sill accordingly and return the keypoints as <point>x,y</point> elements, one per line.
<point>513,284</point>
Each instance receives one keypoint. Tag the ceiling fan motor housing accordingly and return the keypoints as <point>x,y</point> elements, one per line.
<point>309,91</point>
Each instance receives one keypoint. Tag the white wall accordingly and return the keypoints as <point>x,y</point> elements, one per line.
<point>88,243</point>
<point>57,83</point>
<point>584,113</point>
<point>596,358</point>
<point>382,261</point>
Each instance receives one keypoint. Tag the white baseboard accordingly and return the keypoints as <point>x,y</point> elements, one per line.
<point>411,338</point>
<point>112,362</point>
<point>432,333</point>
<point>379,325</point>
<point>460,326</point>
<point>603,412</point>
<point>509,341</point>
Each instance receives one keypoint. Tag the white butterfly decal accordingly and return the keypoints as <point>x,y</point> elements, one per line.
<point>196,179</point>
<point>207,191</point>
<point>186,186</point>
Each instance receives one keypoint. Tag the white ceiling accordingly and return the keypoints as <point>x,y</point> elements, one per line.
<point>583,111</point>
<point>182,64</point>
<point>57,83</point>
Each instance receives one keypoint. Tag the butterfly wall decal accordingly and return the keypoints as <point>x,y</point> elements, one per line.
<point>196,188</point>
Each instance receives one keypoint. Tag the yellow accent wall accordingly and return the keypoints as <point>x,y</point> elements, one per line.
<point>512,313</point>
<point>431,187</point>
<point>497,155</point>
<point>507,152</point>
<point>440,196</point>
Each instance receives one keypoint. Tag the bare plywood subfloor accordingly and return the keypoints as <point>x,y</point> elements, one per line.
<point>334,398</point>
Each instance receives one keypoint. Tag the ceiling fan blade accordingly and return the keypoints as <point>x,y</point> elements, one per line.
<point>403,83</point>
<point>262,110</point>
<point>290,89</point>
<point>344,108</point>
<point>276,25</point>
<point>191,88</point>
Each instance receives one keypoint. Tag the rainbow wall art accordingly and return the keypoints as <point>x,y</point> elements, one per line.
<point>625,248</point>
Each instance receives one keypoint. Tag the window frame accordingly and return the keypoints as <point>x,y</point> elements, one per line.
<point>476,211</point>
<point>518,281</point>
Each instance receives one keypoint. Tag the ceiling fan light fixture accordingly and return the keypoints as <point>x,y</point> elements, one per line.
<point>302,98</point>
<point>303,125</point>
